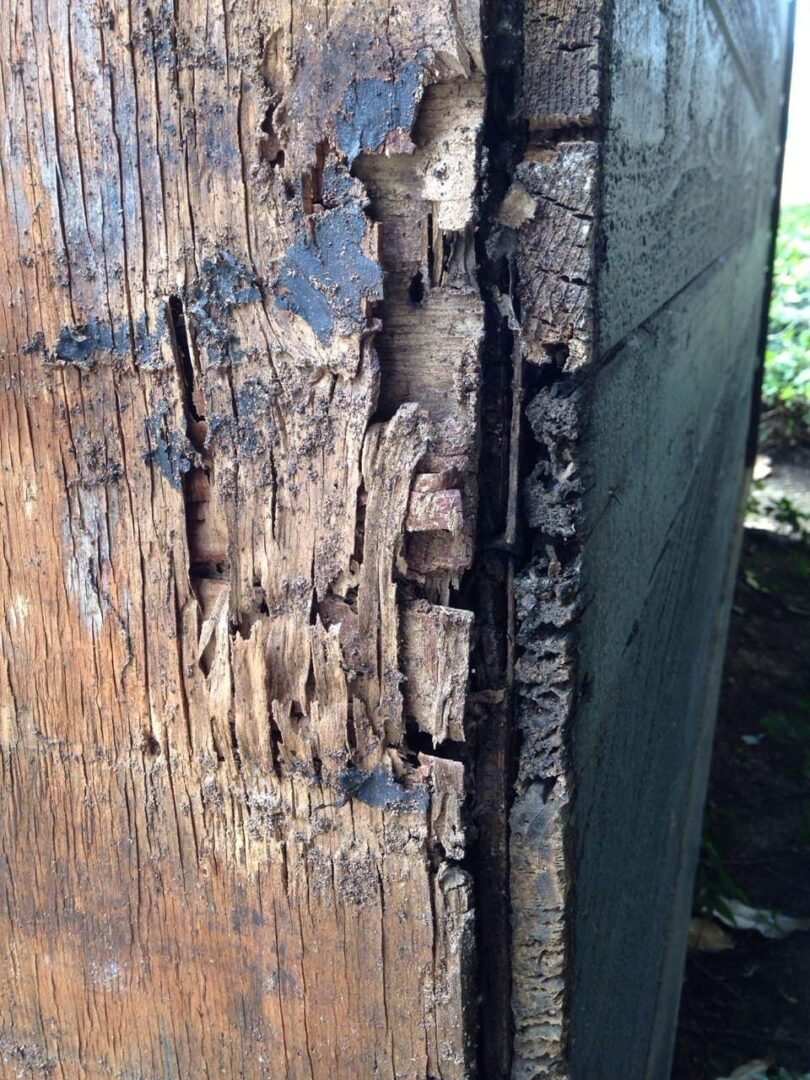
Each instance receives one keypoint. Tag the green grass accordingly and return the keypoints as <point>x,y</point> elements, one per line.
<point>787,361</point>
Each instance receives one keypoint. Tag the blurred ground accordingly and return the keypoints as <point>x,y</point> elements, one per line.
<point>751,998</point>
<point>784,474</point>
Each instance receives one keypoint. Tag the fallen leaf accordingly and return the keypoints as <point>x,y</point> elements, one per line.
<point>754,1070</point>
<point>771,924</point>
<point>762,467</point>
<point>706,936</point>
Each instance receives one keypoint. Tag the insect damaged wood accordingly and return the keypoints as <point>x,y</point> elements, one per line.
<point>241,331</point>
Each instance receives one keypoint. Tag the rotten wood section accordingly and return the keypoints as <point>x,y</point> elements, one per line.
<point>240,345</point>
<point>373,391</point>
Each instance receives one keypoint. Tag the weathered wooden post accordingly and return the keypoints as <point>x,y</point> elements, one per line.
<point>376,381</point>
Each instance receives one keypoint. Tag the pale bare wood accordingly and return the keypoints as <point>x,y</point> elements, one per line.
<point>436,647</point>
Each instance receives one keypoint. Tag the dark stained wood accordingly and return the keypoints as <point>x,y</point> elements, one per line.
<point>756,39</point>
<point>649,660</point>
<point>642,235</point>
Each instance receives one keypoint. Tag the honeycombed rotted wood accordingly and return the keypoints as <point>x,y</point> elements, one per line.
<point>240,340</point>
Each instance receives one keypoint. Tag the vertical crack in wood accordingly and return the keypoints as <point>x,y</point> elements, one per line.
<point>488,590</point>
<point>209,570</point>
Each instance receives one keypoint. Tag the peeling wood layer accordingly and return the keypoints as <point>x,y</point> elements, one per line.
<point>240,329</point>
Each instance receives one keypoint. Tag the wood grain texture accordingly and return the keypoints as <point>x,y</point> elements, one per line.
<point>222,856</point>
<point>562,73</point>
<point>689,165</point>
<point>374,386</point>
<point>755,38</point>
<point>686,124</point>
<point>668,500</point>
<point>552,212</point>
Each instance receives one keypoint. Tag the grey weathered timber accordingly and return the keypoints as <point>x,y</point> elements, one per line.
<point>374,392</point>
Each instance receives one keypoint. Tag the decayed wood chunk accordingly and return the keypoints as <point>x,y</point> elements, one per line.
<point>435,511</point>
<point>561,80</point>
<point>556,252</point>
<point>436,663</point>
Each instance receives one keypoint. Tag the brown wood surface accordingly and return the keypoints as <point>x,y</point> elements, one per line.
<point>233,503</point>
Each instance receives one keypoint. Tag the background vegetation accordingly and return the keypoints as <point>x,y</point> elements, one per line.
<point>786,389</point>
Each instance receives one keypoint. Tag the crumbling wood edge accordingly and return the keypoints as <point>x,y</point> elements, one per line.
<point>543,237</point>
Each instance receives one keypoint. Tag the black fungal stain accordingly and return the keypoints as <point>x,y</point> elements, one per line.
<point>225,283</point>
<point>83,344</point>
<point>80,344</point>
<point>337,187</point>
<point>172,452</point>
<point>256,423</point>
<point>148,338</point>
<point>35,345</point>
<point>228,282</point>
<point>326,277</point>
<point>371,108</point>
<point>379,789</point>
